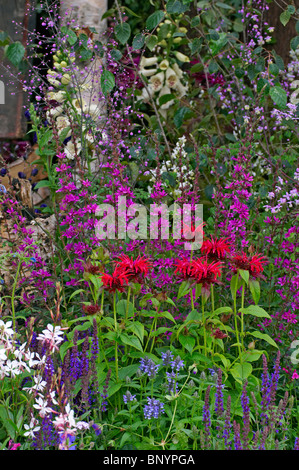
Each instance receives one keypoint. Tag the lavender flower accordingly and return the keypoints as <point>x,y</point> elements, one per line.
<point>128,397</point>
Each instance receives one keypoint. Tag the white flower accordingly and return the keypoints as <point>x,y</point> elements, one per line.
<point>70,151</point>
<point>147,72</point>
<point>181,89</point>
<point>54,112</point>
<point>62,122</point>
<point>177,70</point>
<point>38,386</point>
<point>3,356</point>
<point>31,428</point>
<point>148,61</point>
<point>165,91</point>
<point>157,81</point>
<point>42,406</point>
<point>181,57</point>
<point>12,368</point>
<point>164,64</point>
<point>5,329</point>
<point>171,78</point>
<point>82,425</point>
<point>57,96</point>
<point>51,336</point>
<point>147,93</point>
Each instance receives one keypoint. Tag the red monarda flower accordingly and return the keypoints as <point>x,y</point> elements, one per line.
<point>252,263</point>
<point>204,272</point>
<point>216,248</point>
<point>116,281</point>
<point>135,269</point>
<point>218,334</point>
<point>183,268</point>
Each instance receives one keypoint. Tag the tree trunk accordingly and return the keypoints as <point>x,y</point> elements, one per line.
<point>282,34</point>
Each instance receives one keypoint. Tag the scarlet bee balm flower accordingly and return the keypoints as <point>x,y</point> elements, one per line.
<point>116,281</point>
<point>134,269</point>
<point>252,263</point>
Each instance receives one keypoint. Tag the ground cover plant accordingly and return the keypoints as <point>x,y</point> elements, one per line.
<point>118,336</point>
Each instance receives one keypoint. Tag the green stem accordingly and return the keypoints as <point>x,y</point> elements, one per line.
<point>242,316</point>
<point>13,296</point>
<point>203,322</point>
<point>235,314</point>
<point>115,326</point>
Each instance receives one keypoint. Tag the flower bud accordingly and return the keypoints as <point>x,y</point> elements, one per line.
<point>181,57</point>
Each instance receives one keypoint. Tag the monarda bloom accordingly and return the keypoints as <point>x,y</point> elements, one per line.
<point>116,281</point>
<point>183,268</point>
<point>91,309</point>
<point>216,248</point>
<point>252,263</point>
<point>135,269</point>
<point>206,273</point>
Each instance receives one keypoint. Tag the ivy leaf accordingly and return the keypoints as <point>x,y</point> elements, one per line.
<point>123,32</point>
<point>279,96</point>
<point>154,19</point>
<point>107,82</point>
<point>15,53</point>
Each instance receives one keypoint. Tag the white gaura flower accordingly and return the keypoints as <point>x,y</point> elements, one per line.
<point>31,429</point>
<point>62,122</point>
<point>42,406</point>
<point>171,78</point>
<point>3,356</point>
<point>51,337</point>
<point>148,61</point>
<point>157,81</point>
<point>70,150</point>
<point>12,368</point>
<point>6,331</point>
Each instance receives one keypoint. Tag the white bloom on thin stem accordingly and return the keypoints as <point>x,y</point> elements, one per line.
<point>42,406</point>
<point>147,72</point>
<point>51,336</point>
<point>148,61</point>
<point>171,78</point>
<point>62,122</point>
<point>157,81</point>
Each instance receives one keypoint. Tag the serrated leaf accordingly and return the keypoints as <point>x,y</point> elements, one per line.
<point>15,53</point>
<point>188,342</point>
<point>154,19</point>
<point>123,32</point>
<point>279,96</point>
<point>107,82</point>
<point>138,42</point>
<point>285,17</point>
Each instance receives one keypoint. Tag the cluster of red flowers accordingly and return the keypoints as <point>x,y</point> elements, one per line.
<point>126,270</point>
<point>207,269</point>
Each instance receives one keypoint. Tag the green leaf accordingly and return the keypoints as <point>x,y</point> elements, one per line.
<point>294,43</point>
<point>241,372</point>
<point>265,337</point>
<point>255,311</point>
<point>131,341</point>
<point>165,98</point>
<point>154,19</point>
<point>138,329</point>
<point>123,32</point>
<point>244,275</point>
<point>15,53</point>
<point>285,17</point>
<point>188,342</point>
<point>4,38</point>
<point>279,96</point>
<point>107,82</point>
<point>255,290</point>
<point>181,115</point>
<point>121,308</point>
<point>151,41</point>
<point>175,6</point>
<point>138,42</point>
<point>183,289</point>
